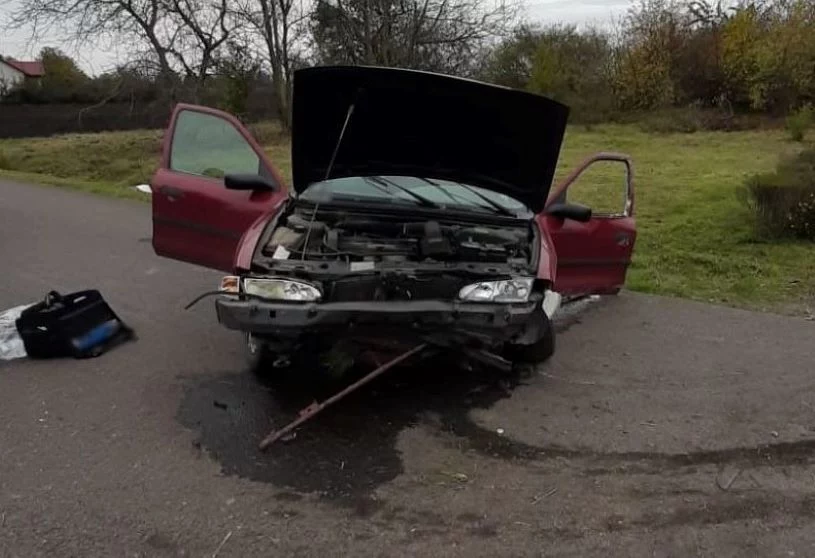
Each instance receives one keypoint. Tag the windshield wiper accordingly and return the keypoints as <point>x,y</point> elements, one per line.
<point>386,183</point>
<point>455,198</point>
<point>493,204</point>
<point>378,186</point>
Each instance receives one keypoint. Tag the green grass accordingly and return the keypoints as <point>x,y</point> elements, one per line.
<point>103,163</point>
<point>695,236</point>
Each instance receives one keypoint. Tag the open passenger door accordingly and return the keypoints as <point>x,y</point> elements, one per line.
<point>593,250</point>
<point>214,181</point>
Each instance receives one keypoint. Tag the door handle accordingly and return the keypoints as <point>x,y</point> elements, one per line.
<point>171,192</point>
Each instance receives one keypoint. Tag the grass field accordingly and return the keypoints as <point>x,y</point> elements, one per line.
<point>695,236</point>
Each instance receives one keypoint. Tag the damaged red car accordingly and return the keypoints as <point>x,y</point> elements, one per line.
<point>420,209</point>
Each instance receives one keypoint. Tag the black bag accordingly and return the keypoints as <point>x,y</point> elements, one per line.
<point>79,324</point>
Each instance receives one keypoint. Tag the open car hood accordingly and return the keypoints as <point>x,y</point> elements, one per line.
<point>412,123</point>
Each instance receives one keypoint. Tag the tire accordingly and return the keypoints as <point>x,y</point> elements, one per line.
<point>260,358</point>
<point>537,352</point>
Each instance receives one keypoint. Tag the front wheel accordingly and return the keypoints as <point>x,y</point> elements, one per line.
<point>260,356</point>
<point>537,352</point>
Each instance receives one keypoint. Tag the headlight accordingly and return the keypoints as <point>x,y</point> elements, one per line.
<point>281,289</point>
<point>514,290</point>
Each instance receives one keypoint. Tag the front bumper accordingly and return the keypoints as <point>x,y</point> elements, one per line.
<point>518,323</point>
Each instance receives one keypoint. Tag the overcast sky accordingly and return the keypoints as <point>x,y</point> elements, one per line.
<point>599,12</point>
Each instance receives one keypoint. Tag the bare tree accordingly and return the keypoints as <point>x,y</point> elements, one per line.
<point>279,24</point>
<point>86,21</point>
<point>203,28</point>
<point>176,34</point>
<point>437,35</point>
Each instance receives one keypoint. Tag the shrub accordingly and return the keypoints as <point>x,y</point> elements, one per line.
<point>784,201</point>
<point>800,121</point>
<point>693,118</point>
<point>5,161</point>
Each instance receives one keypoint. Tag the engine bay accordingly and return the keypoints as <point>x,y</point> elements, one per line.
<point>364,241</point>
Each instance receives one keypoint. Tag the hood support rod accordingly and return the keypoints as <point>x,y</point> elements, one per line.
<point>348,114</point>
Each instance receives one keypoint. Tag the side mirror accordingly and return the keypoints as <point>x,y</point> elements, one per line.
<point>573,211</point>
<point>253,182</point>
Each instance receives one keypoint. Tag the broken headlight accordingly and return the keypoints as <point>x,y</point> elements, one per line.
<point>281,289</point>
<point>513,290</point>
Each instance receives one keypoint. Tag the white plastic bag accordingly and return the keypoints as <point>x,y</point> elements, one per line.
<point>11,344</point>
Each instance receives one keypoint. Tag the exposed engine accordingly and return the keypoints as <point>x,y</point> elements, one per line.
<point>355,256</point>
<point>335,236</point>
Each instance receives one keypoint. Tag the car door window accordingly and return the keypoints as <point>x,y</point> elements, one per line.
<point>207,145</point>
<point>602,186</point>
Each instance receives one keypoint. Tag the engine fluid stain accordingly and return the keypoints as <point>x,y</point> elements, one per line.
<point>349,449</point>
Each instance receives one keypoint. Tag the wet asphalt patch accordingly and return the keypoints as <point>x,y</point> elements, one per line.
<point>348,450</point>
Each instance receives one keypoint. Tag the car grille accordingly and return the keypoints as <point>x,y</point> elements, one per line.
<point>396,288</point>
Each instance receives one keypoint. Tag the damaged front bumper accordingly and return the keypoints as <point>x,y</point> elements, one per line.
<point>493,323</point>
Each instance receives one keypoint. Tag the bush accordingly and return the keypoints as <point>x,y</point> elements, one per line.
<point>695,118</point>
<point>784,201</point>
<point>800,121</point>
<point>5,161</point>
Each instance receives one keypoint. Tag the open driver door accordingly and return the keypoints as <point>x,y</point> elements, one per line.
<point>214,181</point>
<point>594,249</point>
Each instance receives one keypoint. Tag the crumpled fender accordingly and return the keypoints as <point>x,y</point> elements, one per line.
<point>547,257</point>
<point>250,238</point>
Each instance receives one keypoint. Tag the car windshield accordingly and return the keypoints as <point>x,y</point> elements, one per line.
<point>411,190</point>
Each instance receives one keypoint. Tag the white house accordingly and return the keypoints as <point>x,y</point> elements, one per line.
<point>15,72</point>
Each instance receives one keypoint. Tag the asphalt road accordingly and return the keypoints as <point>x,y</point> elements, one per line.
<point>660,428</point>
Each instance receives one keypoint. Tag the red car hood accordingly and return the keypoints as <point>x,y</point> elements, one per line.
<point>413,123</point>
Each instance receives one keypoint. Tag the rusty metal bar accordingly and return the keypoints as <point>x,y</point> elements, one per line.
<point>315,407</point>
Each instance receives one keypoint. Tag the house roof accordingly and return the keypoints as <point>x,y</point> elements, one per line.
<point>30,69</point>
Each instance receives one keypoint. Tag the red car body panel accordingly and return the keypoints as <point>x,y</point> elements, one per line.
<point>247,245</point>
<point>547,257</point>
<point>592,257</point>
<point>197,220</point>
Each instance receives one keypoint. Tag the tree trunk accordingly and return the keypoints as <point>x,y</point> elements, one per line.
<point>276,53</point>
<point>284,103</point>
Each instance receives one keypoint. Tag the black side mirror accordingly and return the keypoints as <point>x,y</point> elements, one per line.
<point>248,181</point>
<point>573,211</point>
